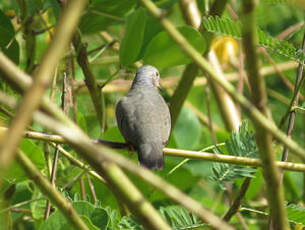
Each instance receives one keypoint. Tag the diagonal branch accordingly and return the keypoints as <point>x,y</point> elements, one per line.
<point>95,92</point>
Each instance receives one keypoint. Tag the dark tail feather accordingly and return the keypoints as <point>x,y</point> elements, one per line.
<point>151,155</point>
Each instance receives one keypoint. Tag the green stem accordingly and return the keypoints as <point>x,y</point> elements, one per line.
<point>271,174</point>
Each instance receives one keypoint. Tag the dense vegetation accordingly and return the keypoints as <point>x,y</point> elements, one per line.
<point>232,75</point>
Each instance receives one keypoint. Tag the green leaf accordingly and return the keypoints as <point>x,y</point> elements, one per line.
<point>6,35</point>
<point>189,124</point>
<point>38,207</point>
<point>113,134</point>
<point>178,218</point>
<point>81,121</point>
<point>129,222</point>
<point>104,13</point>
<point>163,52</point>
<point>93,126</point>
<point>36,155</point>
<point>96,218</point>
<point>133,37</point>
<point>296,214</point>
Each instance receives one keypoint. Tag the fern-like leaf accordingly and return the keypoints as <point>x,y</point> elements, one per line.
<point>242,144</point>
<point>228,27</point>
<point>179,218</point>
<point>296,214</point>
<point>130,223</point>
<point>176,217</point>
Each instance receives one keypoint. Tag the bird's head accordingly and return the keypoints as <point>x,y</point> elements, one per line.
<point>148,75</point>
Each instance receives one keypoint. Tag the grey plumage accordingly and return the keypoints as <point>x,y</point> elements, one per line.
<point>144,119</point>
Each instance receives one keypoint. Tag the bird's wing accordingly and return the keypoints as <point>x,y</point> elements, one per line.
<point>143,117</point>
<point>124,115</point>
<point>166,119</point>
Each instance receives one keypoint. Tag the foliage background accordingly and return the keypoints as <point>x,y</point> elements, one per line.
<point>141,38</point>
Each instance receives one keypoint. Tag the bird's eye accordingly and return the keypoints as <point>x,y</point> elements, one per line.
<point>157,74</point>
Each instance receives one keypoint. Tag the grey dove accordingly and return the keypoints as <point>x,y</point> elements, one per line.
<point>144,119</point>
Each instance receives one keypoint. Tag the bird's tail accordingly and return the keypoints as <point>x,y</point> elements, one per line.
<point>150,155</point>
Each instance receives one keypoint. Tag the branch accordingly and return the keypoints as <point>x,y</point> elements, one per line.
<point>236,204</point>
<point>95,92</point>
<point>205,156</point>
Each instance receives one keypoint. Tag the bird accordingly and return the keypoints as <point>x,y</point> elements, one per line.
<point>143,118</point>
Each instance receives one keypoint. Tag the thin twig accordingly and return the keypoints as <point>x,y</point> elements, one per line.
<point>286,115</point>
<point>56,152</point>
<point>210,121</point>
<point>279,72</point>
<point>236,204</point>
<point>91,186</point>
<point>290,30</point>
<point>21,204</point>
<point>69,185</point>
<point>294,103</point>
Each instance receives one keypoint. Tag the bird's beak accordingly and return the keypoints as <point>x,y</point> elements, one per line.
<point>160,87</point>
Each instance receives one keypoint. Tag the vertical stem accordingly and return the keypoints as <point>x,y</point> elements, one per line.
<point>210,121</point>
<point>82,188</point>
<point>55,158</point>
<point>225,102</point>
<point>295,101</point>
<point>29,37</point>
<point>91,186</point>
<point>52,179</point>
<point>259,98</point>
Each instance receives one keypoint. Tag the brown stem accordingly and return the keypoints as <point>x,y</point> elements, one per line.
<point>91,186</point>
<point>236,204</point>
